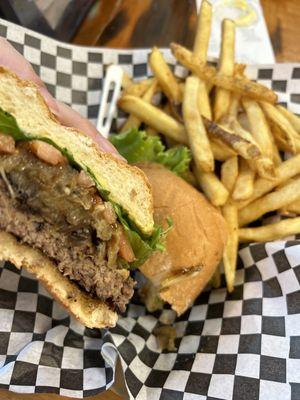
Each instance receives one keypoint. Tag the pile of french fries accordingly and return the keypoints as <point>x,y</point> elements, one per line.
<point>235,131</point>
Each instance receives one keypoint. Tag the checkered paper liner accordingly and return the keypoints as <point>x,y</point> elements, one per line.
<point>244,345</point>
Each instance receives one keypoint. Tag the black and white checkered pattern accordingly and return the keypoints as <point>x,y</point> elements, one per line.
<point>41,348</point>
<point>244,345</point>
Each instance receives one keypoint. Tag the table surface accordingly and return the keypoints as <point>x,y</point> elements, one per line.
<point>144,23</point>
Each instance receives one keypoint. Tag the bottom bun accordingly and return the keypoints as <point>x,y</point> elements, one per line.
<point>92,313</point>
<point>194,245</point>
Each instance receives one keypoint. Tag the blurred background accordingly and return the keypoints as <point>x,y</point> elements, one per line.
<point>143,23</point>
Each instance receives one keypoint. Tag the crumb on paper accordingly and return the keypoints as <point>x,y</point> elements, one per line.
<point>165,336</point>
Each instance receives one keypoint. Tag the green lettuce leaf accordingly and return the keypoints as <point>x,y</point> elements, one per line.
<point>177,159</point>
<point>135,145</point>
<point>9,126</point>
<point>142,246</point>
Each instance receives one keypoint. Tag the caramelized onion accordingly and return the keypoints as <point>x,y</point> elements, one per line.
<point>109,213</point>
<point>85,180</point>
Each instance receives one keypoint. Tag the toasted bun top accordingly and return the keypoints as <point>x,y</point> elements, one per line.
<point>91,312</point>
<point>127,185</point>
<point>194,245</point>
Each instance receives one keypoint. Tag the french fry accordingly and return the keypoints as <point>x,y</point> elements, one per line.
<point>230,214</point>
<point>230,121</point>
<point>213,188</point>
<point>241,132</point>
<point>203,100</point>
<point>293,207</point>
<point>243,144</point>
<point>220,150</point>
<point>150,92</point>
<point>190,178</point>
<point>237,84</point>
<point>126,80</point>
<point>259,127</point>
<point>263,165</point>
<point>203,31</point>
<point>285,171</point>
<point>282,122</point>
<point>165,76</point>
<point>287,181</point>
<point>270,232</point>
<point>270,202</point>
<point>243,188</point>
<point>239,144</point>
<point>169,142</point>
<point>154,117</point>
<point>280,139</point>
<point>282,142</point>
<point>196,132</point>
<point>291,117</point>
<point>239,69</point>
<point>232,111</point>
<point>200,51</point>
<point>139,88</point>
<point>132,120</point>
<point>222,96</point>
<point>229,173</point>
<point>243,121</point>
<point>236,127</point>
<point>275,151</point>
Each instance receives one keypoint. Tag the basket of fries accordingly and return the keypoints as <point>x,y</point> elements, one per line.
<point>236,132</point>
<point>240,339</point>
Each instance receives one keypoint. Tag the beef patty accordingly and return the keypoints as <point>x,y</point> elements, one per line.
<point>53,209</point>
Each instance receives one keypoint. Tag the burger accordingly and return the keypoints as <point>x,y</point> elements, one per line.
<point>78,218</point>
<point>195,242</point>
<point>194,245</point>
